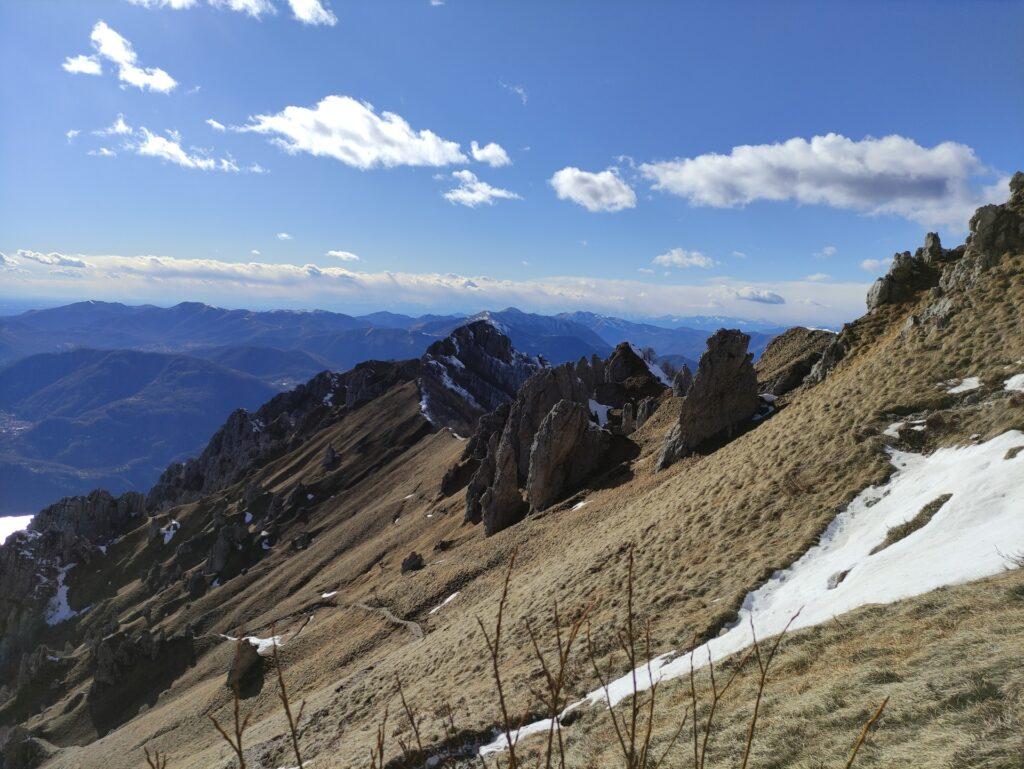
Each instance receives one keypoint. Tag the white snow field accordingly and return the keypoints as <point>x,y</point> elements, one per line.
<point>969,537</point>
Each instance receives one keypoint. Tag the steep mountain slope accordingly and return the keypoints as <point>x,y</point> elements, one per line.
<point>96,418</point>
<point>935,364</point>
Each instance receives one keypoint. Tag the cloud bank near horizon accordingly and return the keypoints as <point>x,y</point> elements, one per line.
<point>163,278</point>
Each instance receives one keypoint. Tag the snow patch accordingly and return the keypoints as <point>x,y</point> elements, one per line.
<point>893,430</point>
<point>965,385</point>
<point>170,530</point>
<point>654,368</point>
<point>329,594</point>
<point>447,600</point>
<point>248,517</point>
<point>578,505</point>
<point>601,411</point>
<point>1014,384</point>
<point>58,609</point>
<point>966,539</point>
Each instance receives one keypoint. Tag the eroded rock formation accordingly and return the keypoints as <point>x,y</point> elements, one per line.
<point>723,395</point>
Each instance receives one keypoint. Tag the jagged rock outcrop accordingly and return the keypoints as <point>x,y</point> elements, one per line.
<point>247,439</point>
<point>470,373</point>
<point>789,358</point>
<point>682,382</point>
<point>20,749</point>
<point>70,531</point>
<point>723,395</point>
<point>130,668</point>
<point>945,273</point>
<point>246,669</point>
<point>567,449</point>
<point>571,417</point>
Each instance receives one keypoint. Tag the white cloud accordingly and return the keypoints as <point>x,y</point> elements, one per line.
<point>169,148</point>
<point>254,8</point>
<point>750,294</point>
<point>352,132</point>
<point>892,175</point>
<point>164,278</point>
<point>826,253</point>
<point>602,191</point>
<point>118,128</point>
<point>876,265</point>
<point>645,270</point>
<point>215,125</point>
<point>436,3</point>
<point>739,254</point>
<point>677,257</point>
<point>83,65</point>
<point>254,252</point>
<point>102,152</point>
<point>818,277</point>
<point>53,259</point>
<point>312,12</point>
<point>518,90</point>
<point>70,135</point>
<point>283,236</point>
<point>472,192</point>
<point>493,154</point>
<point>345,256</point>
<point>110,45</point>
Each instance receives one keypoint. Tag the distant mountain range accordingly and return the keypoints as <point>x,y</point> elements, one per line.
<point>72,421</point>
<point>106,394</point>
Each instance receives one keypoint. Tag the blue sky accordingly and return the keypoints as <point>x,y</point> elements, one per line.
<point>610,115</point>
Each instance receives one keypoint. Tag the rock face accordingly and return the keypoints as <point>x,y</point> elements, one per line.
<point>279,425</point>
<point>246,670</point>
<point>789,358</point>
<point>19,749</point>
<point>723,395</point>
<point>682,382</point>
<point>70,531</point>
<point>565,425</point>
<point>130,668</point>
<point>567,449</point>
<point>470,373</point>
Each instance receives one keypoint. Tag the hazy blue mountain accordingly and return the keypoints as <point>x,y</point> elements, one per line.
<point>679,344</point>
<point>73,421</point>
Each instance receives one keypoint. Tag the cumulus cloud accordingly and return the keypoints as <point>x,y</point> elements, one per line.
<point>83,65</point>
<point>53,259</point>
<point>165,278</point>
<point>345,256</point>
<point>602,191</point>
<point>216,126</point>
<point>116,49</point>
<point>677,257</point>
<point>826,253</point>
<point>118,128</point>
<point>102,152</point>
<point>283,236</point>
<point>351,131</point>
<point>312,12</point>
<point>472,192</point>
<point>818,277</point>
<point>876,265</point>
<point>70,135</point>
<point>934,186</point>
<point>493,154</point>
<point>169,148</point>
<point>760,295</point>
